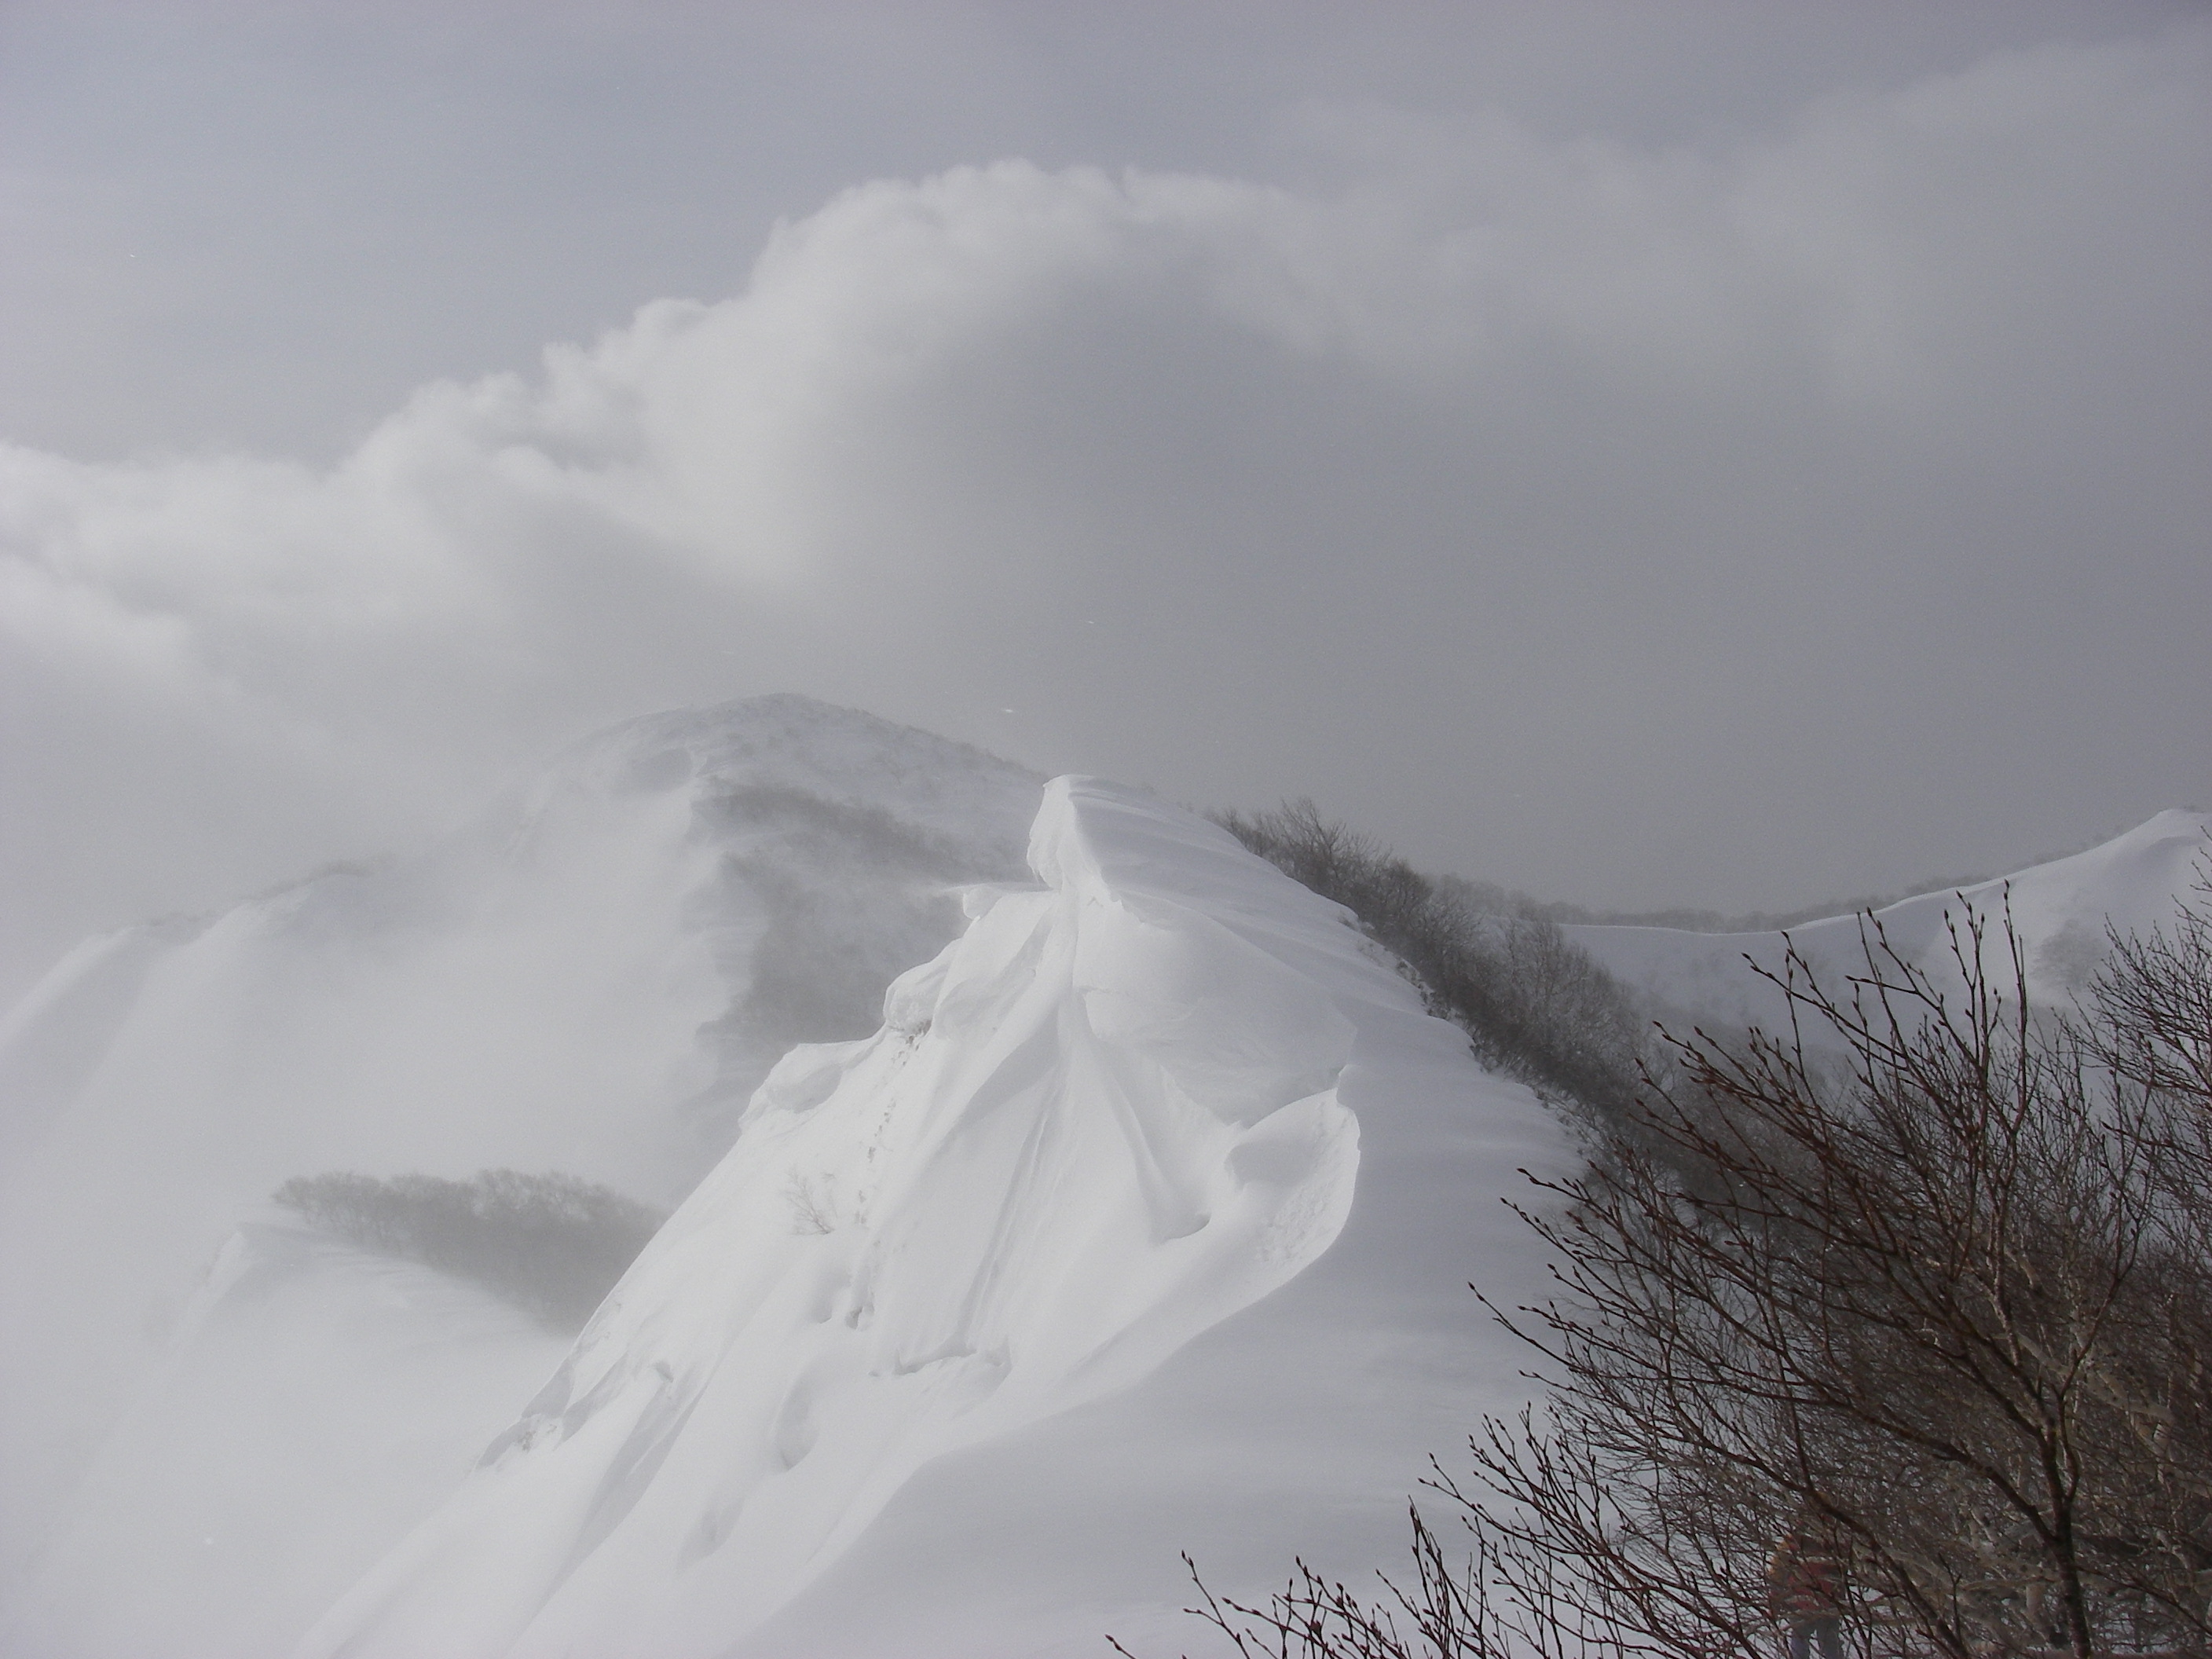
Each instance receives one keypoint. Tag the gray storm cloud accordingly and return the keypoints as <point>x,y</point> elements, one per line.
<point>1642,525</point>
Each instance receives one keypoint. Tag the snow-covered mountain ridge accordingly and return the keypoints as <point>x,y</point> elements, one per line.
<point>592,979</point>
<point>1065,1378</point>
<point>1141,1222</point>
<point>2060,909</point>
<point>1100,1122</point>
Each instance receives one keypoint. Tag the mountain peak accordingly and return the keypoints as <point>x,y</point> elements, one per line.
<point>785,741</point>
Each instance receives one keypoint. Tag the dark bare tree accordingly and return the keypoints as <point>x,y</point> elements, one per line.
<point>1940,1310</point>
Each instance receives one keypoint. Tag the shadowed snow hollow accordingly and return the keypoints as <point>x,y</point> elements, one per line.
<point>1110,1117</point>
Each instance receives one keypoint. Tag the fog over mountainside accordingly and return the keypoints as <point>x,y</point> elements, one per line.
<point>1134,1216</point>
<point>1735,478</point>
<point>1130,1101</point>
<point>1335,516</point>
<point>591,980</point>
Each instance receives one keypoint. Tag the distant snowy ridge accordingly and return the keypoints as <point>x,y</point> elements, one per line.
<point>1100,1122</point>
<point>2060,909</point>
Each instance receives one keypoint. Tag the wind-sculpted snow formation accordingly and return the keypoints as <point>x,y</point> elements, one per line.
<point>1101,1122</point>
<point>975,1327</point>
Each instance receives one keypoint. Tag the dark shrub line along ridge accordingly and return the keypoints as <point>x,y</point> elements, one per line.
<point>1534,1006</point>
<point>1909,1350</point>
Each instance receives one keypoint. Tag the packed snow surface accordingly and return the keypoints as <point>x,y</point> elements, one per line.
<point>1126,1104</point>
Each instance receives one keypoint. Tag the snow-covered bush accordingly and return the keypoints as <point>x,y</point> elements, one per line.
<point>1534,1006</point>
<point>550,1243</point>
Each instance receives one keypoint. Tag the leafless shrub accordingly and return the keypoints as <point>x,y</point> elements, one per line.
<point>1944,1310</point>
<point>812,1200</point>
<point>1534,1005</point>
<point>2152,1003</point>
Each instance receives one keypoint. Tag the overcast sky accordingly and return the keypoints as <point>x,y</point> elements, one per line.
<point>1646,453</point>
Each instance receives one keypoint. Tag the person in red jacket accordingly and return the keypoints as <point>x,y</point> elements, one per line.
<point>1805,1588</point>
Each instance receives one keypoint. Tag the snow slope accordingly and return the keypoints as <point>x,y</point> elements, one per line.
<point>592,980</point>
<point>1141,1224</point>
<point>2060,908</point>
<point>316,1402</point>
<point>997,1278</point>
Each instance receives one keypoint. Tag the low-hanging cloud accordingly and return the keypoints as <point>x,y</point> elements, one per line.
<point>1695,524</point>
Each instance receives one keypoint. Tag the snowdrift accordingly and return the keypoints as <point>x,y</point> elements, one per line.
<point>1122,1107</point>
<point>975,1327</point>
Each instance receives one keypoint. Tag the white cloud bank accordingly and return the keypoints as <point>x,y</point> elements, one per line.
<point>1633,524</point>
